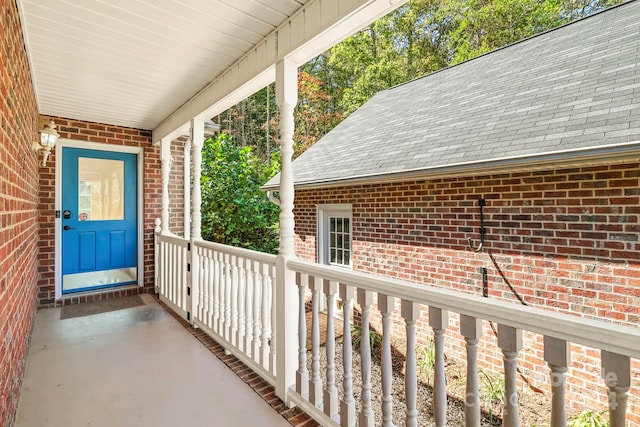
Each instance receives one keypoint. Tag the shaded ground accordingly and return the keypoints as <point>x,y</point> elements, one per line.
<point>534,406</point>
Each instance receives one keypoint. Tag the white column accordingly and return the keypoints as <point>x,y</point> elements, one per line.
<point>286,301</point>
<point>410,313</point>
<point>348,403</point>
<point>197,138</point>
<point>302,375</point>
<point>165,159</point>
<point>187,190</point>
<point>510,341</point>
<point>330,391</point>
<point>471,330</point>
<point>439,320</point>
<point>315,383</point>
<point>557,355</point>
<point>386,305</point>
<point>367,418</point>
<point>616,372</point>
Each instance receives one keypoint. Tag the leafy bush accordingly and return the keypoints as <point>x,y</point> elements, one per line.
<point>356,337</point>
<point>234,209</point>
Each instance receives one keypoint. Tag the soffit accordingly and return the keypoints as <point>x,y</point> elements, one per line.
<point>134,62</point>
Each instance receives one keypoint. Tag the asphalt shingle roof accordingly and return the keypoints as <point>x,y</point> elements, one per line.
<point>574,88</point>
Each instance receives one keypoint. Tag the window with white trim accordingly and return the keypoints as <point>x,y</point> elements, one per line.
<point>334,235</point>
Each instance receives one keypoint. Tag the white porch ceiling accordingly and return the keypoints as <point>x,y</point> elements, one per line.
<point>134,62</point>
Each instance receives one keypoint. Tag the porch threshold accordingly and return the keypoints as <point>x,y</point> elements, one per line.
<point>295,416</point>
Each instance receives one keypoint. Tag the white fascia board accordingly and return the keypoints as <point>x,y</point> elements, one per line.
<point>316,27</point>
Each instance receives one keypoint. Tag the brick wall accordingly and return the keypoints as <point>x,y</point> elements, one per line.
<point>152,190</point>
<point>18,209</point>
<point>567,240</point>
<point>176,187</point>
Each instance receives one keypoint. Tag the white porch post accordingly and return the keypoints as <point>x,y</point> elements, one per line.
<point>187,190</point>
<point>286,290</point>
<point>165,159</point>
<point>197,138</point>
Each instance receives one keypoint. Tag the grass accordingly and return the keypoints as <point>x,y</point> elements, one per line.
<point>426,359</point>
<point>588,418</point>
<point>493,389</point>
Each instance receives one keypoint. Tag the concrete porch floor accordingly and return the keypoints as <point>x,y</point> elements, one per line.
<point>132,367</point>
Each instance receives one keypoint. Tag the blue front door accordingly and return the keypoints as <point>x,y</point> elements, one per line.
<point>99,219</point>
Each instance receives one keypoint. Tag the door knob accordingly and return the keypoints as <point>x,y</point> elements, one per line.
<point>66,227</point>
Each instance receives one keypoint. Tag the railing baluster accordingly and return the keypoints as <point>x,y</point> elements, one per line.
<point>315,383</point>
<point>330,391</point>
<point>257,298</point>
<point>367,417</point>
<point>248,337</point>
<point>471,330</point>
<point>211,289</point>
<point>557,356</point>
<point>169,276</point>
<point>439,320</point>
<point>217,283</point>
<point>266,316</point>
<point>348,403</point>
<point>410,313</point>
<point>203,288</point>
<point>616,372</point>
<point>302,376</point>
<point>272,313</point>
<point>242,288</point>
<point>235,283</point>
<point>386,305</point>
<point>227,297</point>
<point>510,341</point>
<point>174,275</point>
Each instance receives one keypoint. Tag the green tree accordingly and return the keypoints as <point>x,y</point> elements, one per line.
<point>234,209</point>
<point>480,26</point>
<point>314,115</point>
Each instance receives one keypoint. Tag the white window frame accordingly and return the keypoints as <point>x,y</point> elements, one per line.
<point>324,213</point>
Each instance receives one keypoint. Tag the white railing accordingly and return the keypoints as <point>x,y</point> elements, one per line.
<point>172,256</point>
<point>618,344</point>
<point>233,300</point>
<point>233,296</point>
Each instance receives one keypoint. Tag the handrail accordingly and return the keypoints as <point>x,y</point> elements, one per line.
<point>623,340</point>
<point>173,239</point>
<point>241,252</point>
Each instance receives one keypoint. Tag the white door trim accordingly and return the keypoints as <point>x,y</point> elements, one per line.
<point>68,143</point>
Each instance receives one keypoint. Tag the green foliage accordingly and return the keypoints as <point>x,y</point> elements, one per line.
<point>588,418</point>
<point>234,209</point>
<point>420,37</point>
<point>494,390</point>
<point>356,337</point>
<point>426,358</point>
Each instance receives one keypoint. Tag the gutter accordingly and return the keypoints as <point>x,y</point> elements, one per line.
<point>578,157</point>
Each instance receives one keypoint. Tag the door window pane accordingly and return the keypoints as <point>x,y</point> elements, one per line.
<point>100,189</point>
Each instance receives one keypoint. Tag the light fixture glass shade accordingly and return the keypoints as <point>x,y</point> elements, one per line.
<point>48,139</point>
<point>48,135</point>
